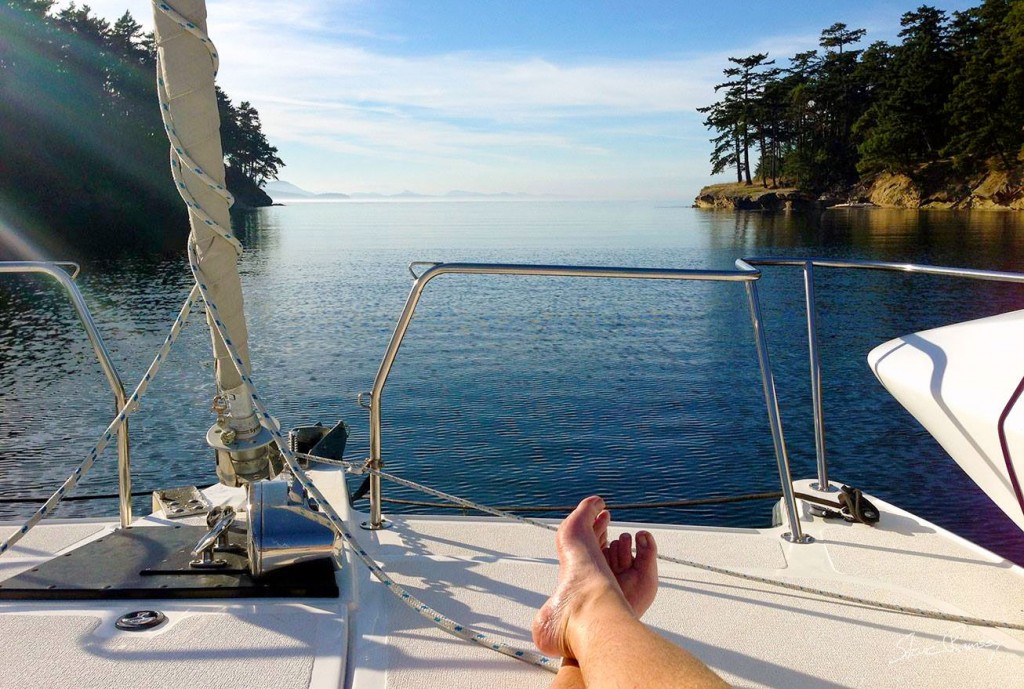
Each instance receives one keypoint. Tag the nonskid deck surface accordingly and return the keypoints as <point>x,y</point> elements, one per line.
<point>225,643</point>
<point>494,575</point>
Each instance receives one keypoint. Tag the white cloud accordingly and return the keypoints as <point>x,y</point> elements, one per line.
<point>321,90</point>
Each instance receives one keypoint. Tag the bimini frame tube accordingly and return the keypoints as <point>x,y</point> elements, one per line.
<point>771,401</point>
<point>124,460</point>
<point>744,274</point>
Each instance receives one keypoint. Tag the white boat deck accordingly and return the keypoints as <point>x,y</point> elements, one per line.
<point>493,575</point>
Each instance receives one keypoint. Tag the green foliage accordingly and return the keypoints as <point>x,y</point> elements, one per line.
<point>906,125</point>
<point>953,86</point>
<point>739,116</point>
<point>987,102</point>
<point>246,149</point>
<point>83,155</point>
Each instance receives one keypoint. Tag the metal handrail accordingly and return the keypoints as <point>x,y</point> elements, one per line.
<point>744,273</point>
<point>808,265</point>
<point>56,271</point>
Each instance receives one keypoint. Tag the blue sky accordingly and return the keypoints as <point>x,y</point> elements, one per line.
<point>573,98</point>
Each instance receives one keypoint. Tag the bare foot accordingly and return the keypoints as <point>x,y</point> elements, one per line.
<point>584,577</point>
<point>637,576</point>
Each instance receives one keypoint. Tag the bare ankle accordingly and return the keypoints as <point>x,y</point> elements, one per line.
<point>602,606</point>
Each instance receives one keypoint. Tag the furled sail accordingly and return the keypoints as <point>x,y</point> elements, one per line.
<point>186,71</point>
<point>186,66</point>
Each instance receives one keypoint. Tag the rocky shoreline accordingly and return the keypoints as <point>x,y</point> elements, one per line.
<point>931,189</point>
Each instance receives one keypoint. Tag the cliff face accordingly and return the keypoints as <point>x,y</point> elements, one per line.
<point>934,187</point>
<point>993,190</point>
<point>997,190</point>
<point>742,197</point>
<point>893,191</point>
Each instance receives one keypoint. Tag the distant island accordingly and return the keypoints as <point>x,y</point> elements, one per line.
<point>280,190</point>
<point>934,121</point>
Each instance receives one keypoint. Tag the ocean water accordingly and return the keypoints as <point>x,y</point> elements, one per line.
<point>519,390</point>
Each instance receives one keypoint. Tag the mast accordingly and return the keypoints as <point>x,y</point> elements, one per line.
<point>186,66</point>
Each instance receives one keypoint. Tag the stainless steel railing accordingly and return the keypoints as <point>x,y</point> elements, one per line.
<point>55,271</point>
<point>744,273</point>
<point>808,265</point>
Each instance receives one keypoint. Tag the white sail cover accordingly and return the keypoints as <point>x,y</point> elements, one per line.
<point>958,381</point>
<point>187,70</point>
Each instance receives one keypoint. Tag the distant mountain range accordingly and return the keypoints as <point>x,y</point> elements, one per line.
<point>279,190</point>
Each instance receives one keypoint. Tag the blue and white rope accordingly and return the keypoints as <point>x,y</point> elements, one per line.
<point>363,467</point>
<point>180,159</point>
<point>190,26</point>
<point>129,408</point>
<point>332,518</point>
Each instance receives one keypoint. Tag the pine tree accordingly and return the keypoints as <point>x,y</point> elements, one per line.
<point>723,117</point>
<point>907,125</point>
<point>985,107</point>
<point>735,116</point>
<point>246,148</point>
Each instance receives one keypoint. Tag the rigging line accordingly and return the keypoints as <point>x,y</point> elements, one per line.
<point>72,498</point>
<point>330,515</point>
<point>891,607</point>
<point>695,502</point>
<point>131,405</point>
<point>179,154</point>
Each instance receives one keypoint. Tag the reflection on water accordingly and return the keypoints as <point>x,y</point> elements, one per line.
<point>524,390</point>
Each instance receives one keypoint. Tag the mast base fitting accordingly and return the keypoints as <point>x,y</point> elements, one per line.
<point>244,460</point>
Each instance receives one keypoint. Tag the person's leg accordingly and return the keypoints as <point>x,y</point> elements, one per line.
<point>636,576</point>
<point>589,619</point>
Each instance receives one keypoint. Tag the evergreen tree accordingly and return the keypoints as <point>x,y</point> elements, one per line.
<point>840,100</point>
<point>907,125</point>
<point>83,154</point>
<point>723,117</point>
<point>246,148</point>
<point>735,116</point>
<point>772,127</point>
<point>985,107</point>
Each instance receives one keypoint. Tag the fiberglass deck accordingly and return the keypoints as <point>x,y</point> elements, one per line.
<point>493,575</point>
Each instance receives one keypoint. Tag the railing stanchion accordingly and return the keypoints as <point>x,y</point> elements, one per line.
<point>124,462</point>
<point>815,362</point>
<point>796,534</point>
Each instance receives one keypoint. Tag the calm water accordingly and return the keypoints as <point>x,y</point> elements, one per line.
<point>523,390</point>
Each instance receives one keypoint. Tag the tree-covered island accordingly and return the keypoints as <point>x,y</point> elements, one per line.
<point>935,121</point>
<point>84,165</point>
